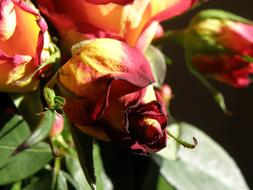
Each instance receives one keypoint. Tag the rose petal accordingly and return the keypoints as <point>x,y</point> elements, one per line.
<point>227,68</point>
<point>14,70</point>
<point>89,74</point>
<point>26,41</point>
<point>158,10</point>
<point>126,22</point>
<point>7,19</point>
<point>94,131</point>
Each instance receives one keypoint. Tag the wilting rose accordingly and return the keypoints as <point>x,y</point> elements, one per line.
<point>222,47</point>
<point>109,95</point>
<point>22,32</point>
<point>133,21</point>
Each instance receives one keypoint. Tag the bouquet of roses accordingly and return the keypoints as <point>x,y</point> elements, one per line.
<point>84,97</point>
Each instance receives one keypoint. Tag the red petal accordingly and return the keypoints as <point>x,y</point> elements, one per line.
<point>92,86</point>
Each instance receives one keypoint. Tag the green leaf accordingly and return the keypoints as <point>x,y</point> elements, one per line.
<point>12,134</point>
<point>162,184</point>
<point>72,181</point>
<point>103,182</point>
<point>41,132</point>
<point>152,179</point>
<point>75,170</point>
<point>158,64</point>
<point>207,167</point>
<point>84,146</point>
<point>61,182</point>
<point>29,105</point>
<point>17,186</point>
<point>42,182</point>
<point>24,164</point>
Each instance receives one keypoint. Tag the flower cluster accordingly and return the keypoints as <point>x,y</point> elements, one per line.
<point>105,77</point>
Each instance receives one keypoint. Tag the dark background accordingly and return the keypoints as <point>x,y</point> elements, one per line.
<point>194,104</point>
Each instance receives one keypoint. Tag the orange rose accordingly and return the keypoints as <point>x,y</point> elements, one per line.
<point>22,32</point>
<point>135,22</point>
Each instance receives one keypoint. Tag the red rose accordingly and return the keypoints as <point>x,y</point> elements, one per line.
<point>108,91</point>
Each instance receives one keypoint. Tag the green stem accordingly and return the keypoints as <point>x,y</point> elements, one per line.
<point>218,97</point>
<point>57,167</point>
<point>183,143</point>
<point>175,36</point>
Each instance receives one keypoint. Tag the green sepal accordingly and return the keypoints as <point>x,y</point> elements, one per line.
<point>218,14</point>
<point>54,102</point>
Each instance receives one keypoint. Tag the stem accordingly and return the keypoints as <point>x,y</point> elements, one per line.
<point>57,167</point>
<point>218,97</point>
<point>175,36</point>
<point>183,143</point>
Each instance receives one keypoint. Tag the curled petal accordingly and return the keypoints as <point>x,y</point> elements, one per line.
<point>157,10</point>
<point>14,70</point>
<point>237,37</point>
<point>138,120</point>
<point>90,72</point>
<point>7,19</point>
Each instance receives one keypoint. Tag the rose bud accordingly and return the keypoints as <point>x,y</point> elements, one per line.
<point>108,91</point>
<point>58,125</point>
<point>133,21</point>
<point>221,46</point>
<point>22,32</point>
<point>165,93</point>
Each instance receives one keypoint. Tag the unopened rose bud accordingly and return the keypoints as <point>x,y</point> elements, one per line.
<point>58,125</point>
<point>221,46</point>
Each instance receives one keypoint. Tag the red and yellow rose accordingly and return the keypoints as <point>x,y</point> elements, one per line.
<point>109,95</point>
<point>222,46</point>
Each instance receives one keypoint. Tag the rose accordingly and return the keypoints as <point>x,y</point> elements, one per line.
<point>22,32</point>
<point>108,91</point>
<point>135,22</point>
<point>222,46</point>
